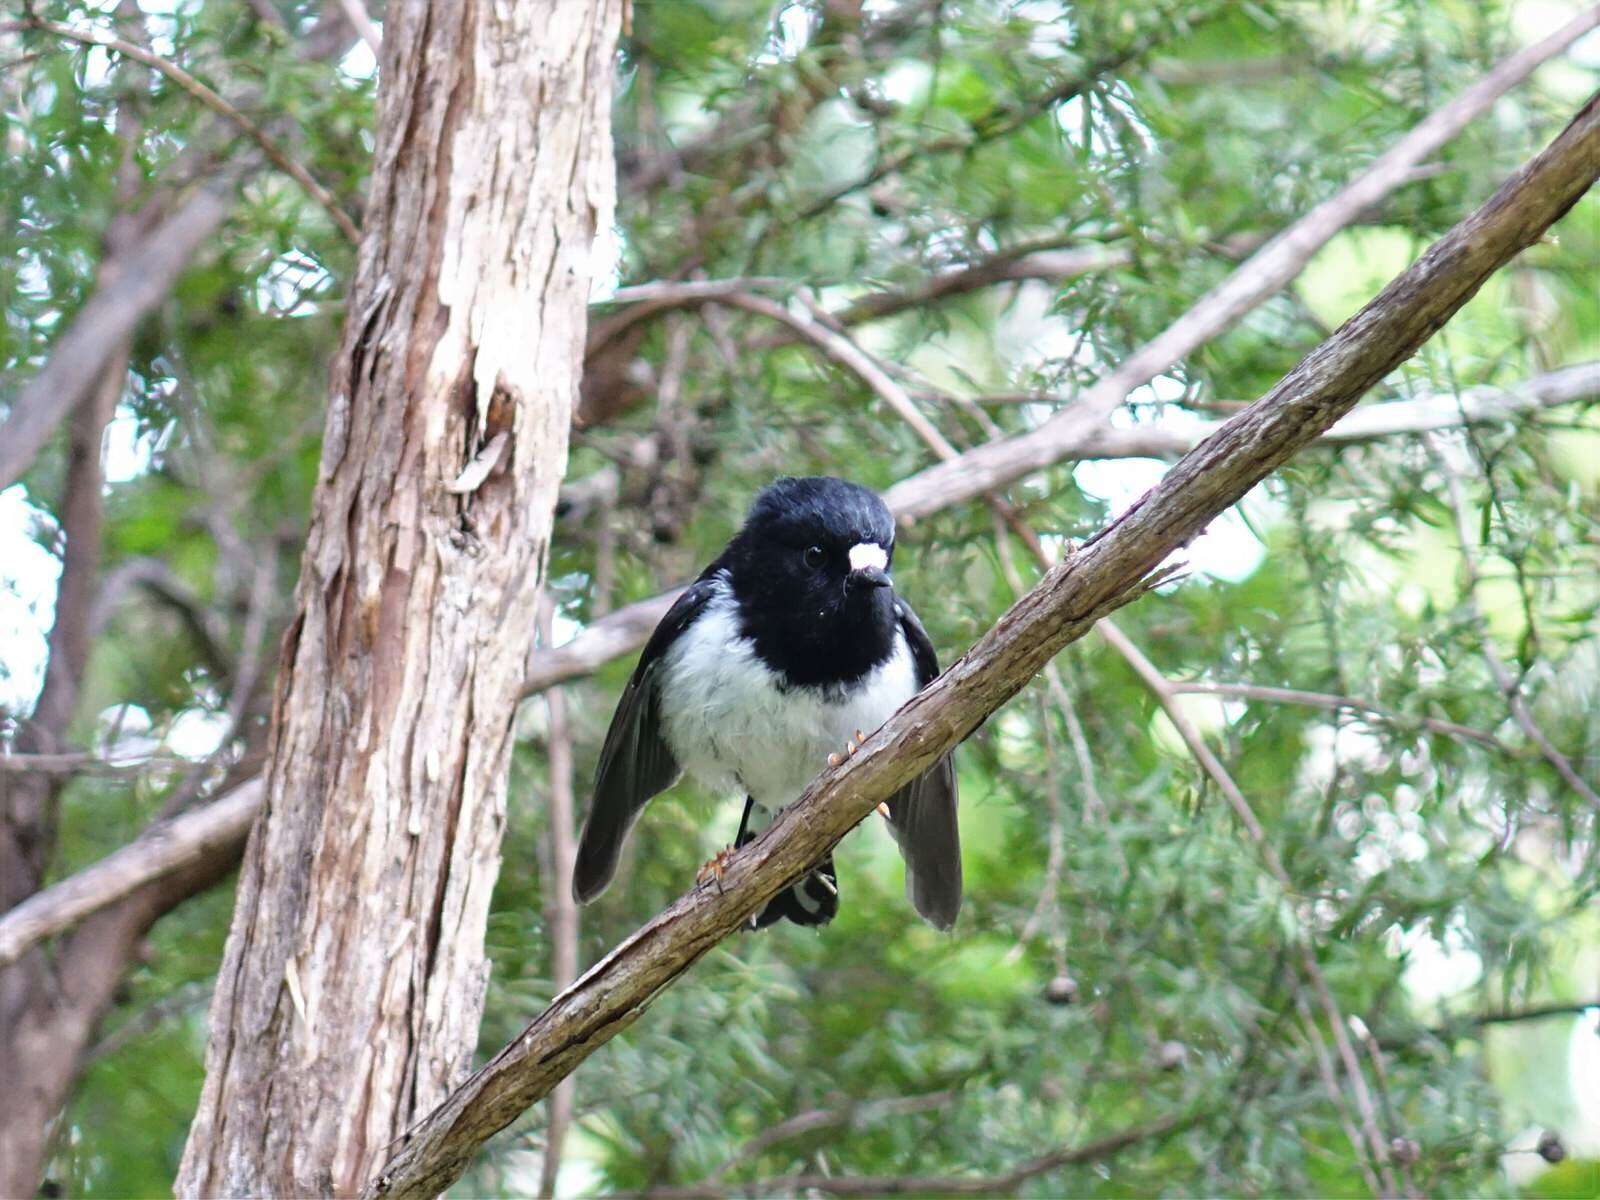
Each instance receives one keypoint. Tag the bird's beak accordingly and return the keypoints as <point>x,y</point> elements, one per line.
<point>869,577</point>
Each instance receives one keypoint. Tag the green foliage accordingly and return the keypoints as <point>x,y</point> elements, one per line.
<point>1576,1180</point>
<point>848,152</point>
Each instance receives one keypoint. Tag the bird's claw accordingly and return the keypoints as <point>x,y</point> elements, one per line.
<point>851,745</point>
<point>715,869</point>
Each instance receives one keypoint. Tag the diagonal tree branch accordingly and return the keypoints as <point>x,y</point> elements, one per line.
<point>156,854</point>
<point>1395,418</point>
<point>215,831</point>
<point>1264,273</point>
<point>1109,571</point>
<point>626,629</point>
<point>355,12</point>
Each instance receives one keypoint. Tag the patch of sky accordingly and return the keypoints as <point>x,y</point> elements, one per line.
<point>1229,549</point>
<point>286,287</point>
<point>28,578</point>
<point>359,63</point>
<point>130,446</point>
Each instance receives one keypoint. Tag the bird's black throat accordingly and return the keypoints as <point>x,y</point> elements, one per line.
<point>832,642</point>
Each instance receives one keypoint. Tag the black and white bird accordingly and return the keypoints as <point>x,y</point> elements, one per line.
<point>788,646</point>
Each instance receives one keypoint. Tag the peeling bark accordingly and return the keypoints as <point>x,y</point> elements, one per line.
<point>350,991</point>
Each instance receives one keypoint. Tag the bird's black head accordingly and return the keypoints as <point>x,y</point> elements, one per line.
<point>810,570</point>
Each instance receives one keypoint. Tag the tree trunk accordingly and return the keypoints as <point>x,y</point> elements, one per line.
<point>348,998</point>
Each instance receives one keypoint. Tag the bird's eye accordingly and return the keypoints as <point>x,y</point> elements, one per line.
<point>814,557</point>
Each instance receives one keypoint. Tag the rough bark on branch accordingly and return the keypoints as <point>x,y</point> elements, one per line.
<point>214,833</point>
<point>1107,572</point>
<point>349,993</point>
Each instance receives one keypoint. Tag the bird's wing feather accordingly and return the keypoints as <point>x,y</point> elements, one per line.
<point>635,762</point>
<point>922,815</point>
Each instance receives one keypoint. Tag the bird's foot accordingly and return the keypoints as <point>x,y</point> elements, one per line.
<point>715,869</point>
<point>851,745</point>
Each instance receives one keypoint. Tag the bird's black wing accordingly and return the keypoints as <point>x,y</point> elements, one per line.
<point>635,762</point>
<point>922,815</point>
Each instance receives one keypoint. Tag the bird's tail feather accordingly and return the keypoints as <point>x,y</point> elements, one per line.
<point>922,817</point>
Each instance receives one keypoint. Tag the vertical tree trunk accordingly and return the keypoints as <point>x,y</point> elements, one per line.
<point>349,995</point>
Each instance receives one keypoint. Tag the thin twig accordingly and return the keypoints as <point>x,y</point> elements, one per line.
<point>1380,1073</point>
<point>83,763</point>
<point>1504,679</point>
<point>1049,900</point>
<point>245,676</point>
<point>853,1115</point>
<point>561,910</point>
<point>847,354</point>
<point>1456,1027</point>
<point>1212,765</point>
<point>1336,703</point>
<point>184,998</point>
<point>1330,1084</point>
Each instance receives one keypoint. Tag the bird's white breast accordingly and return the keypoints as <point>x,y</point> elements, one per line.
<point>732,724</point>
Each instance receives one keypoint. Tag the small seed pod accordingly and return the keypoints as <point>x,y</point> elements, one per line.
<point>1404,1150</point>
<point>1550,1147</point>
<point>1063,989</point>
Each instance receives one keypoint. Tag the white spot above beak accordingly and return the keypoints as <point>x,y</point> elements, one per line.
<point>868,554</point>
